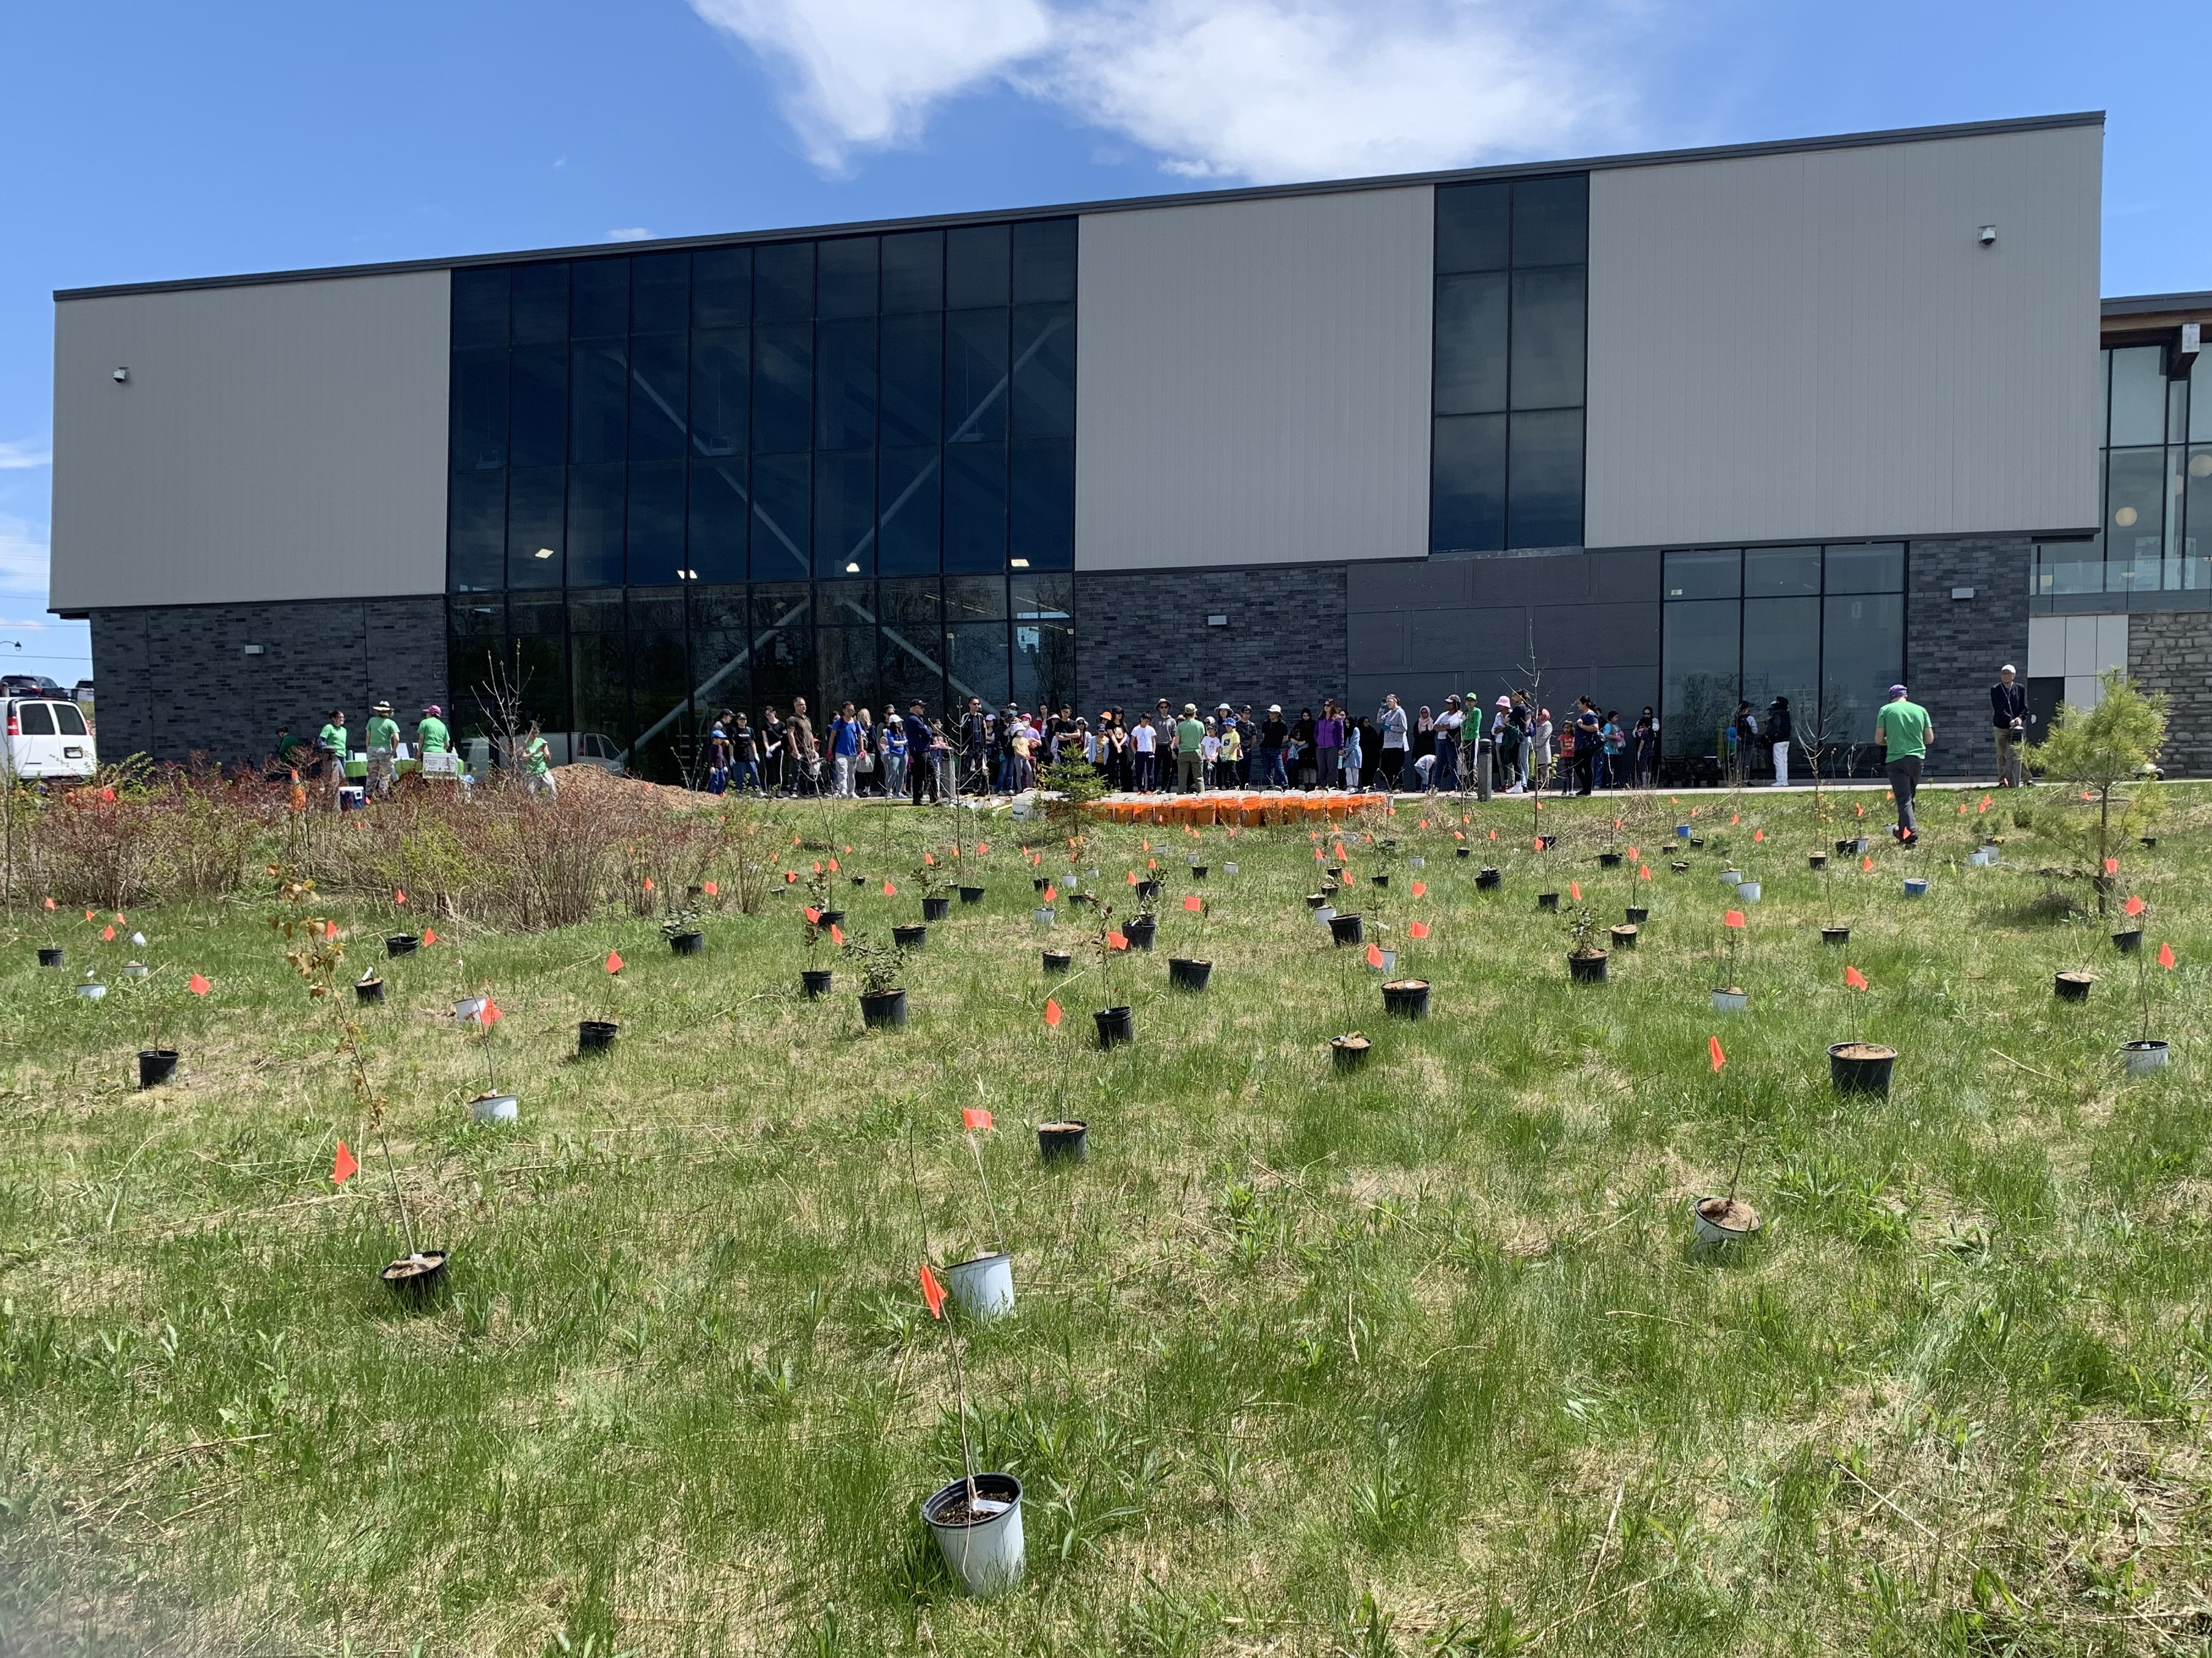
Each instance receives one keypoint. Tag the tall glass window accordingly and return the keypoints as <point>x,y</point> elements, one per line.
<point>1510,309</point>
<point>842,468</point>
<point>1821,626</point>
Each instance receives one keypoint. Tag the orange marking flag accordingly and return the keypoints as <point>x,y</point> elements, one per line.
<point>1194,903</point>
<point>197,985</point>
<point>346,1166</point>
<point>932,1292</point>
<point>975,1120</point>
<point>614,963</point>
<point>1052,1013</point>
<point>1855,979</point>
<point>1713,1052</point>
<point>1733,918</point>
<point>1417,930</point>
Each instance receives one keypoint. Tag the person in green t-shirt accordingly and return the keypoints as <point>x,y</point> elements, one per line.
<point>431,736</point>
<point>1902,727</point>
<point>383,740</point>
<point>331,743</point>
<point>537,764</point>
<point>1190,759</point>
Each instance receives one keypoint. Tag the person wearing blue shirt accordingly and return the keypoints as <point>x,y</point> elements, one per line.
<point>844,750</point>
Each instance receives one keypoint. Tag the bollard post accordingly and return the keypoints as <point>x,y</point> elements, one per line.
<point>1482,779</point>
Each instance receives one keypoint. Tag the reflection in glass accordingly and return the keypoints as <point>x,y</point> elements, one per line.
<point>1050,597</point>
<point>845,277</point>
<point>2138,396</point>
<point>599,689</point>
<point>1862,656</point>
<point>541,679</point>
<point>907,544</point>
<point>722,287</point>
<point>1466,508</point>
<point>1547,339</point>
<point>1551,221</point>
<point>599,299</point>
<point>475,531</point>
<point>1044,662</point>
<point>479,410</point>
<point>914,271</point>
<point>536,515</point>
<point>1697,693</point>
<point>1471,226</point>
<point>976,266</point>
<point>976,506</point>
<point>1706,573</point>
<point>847,656</point>
<point>910,603</point>
<point>2134,517</point>
<point>845,513</point>
<point>1781,657</point>
<point>656,521</point>
<point>977,663</point>
<point>719,515</point>
<point>596,501</point>
<point>538,420</point>
<point>1470,343</point>
<point>1776,571</point>
<point>913,379</point>
<point>783,490</point>
<point>783,669</point>
<point>1043,506</point>
<point>975,376</point>
<point>721,378</point>
<point>1544,480</point>
<point>975,598</point>
<point>722,660</point>
<point>479,309</point>
<point>783,388</point>
<point>662,709</point>
<point>660,293</point>
<point>541,304</point>
<point>845,383</point>
<point>1044,372</point>
<point>1877,568</point>
<point>782,604</point>
<point>1044,261</point>
<point>845,604</point>
<point>598,402</point>
<point>656,397</point>
<point>911,665</point>
<point>783,282</point>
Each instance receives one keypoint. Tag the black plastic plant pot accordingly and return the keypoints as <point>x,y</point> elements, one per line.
<point>1115,1024</point>
<point>1064,1142</point>
<point>1148,889</point>
<point>1139,932</point>
<point>1185,973</point>
<point>1345,929</point>
<point>1380,880</point>
<point>814,982</point>
<point>368,990</point>
<point>1697,840</point>
<point>935,909</point>
<point>1678,866</point>
<point>1489,878</point>
<point>858,880</point>
<point>1315,899</point>
<point>1637,914</point>
<point>2074,986</point>
<point>687,944</point>
<point>595,1035</point>
<point>1408,998</point>
<point>1334,872</point>
<point>886,1011</point>
<point>2128,943</point>
<point>401,944</point>
<point>49,956</point>
<point>1547,901</point>
<point>1835,935</point>
<point>1861,1067</point>
<point>1349,1052</point>
<point>910,936</point>
<point>2148,840</point>
<point>1624,937</point>
<point>156,1066</point>
<point>416,1277</point>
<point>1588,969</point>
<point>1817,860</point>
<point>1462,852</point>
<point>1038,883</point>
<point>1847,845</point>
<point>1198,871</point>
<point>1608,860</point>
<point>832,918</point>
<point>971,895</point>
<point>1546,842</point>
<point>1058,960</point>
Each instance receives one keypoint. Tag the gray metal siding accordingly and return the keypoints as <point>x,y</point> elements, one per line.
<point>1815,345</point>
<point>1252,386</point>
<point>282,442</point>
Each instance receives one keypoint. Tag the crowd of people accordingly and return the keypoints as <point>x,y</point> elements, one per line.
<point>859,751</point>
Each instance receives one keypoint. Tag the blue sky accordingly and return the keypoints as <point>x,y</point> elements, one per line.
<point>144,141</point>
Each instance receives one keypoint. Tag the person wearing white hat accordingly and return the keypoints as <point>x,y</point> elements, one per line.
<point>383,739</point>
<point>2008,715</point>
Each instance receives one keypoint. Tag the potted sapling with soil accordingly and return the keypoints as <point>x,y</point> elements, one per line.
<point>50,953</point>
<point>882,970</point>
<point>1407,997</point>
<point>157,1061</point>
<point>681,928</point>
<point>495,1104</point>
<point>1191,971</point>
<point>983,1285</point>
<point>1859,1066</point>
<point>596,1035</point>
<point>1116,1023</point>
<point>1730,996</point>
<point>1727,1218</point>
<point>1586,957</point>
<point>1144,925</point>
<point>814,978</point>
<point>934,904</point>
<point>2146,1053</point>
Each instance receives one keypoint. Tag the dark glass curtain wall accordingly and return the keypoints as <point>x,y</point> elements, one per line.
<point>843,470</point>
<point>1512,275</point>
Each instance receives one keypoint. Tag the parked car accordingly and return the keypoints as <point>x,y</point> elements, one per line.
<point>81,692</point>
<point>564,749</point>
<point>28,684</point>
<point>47,736</point>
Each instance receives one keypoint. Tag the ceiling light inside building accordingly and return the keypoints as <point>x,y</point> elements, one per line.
<point>852,567</point>
<point>1020,563</point>
<point>2124,518</point>
<point>542,552</point>
<point>2200,466</point>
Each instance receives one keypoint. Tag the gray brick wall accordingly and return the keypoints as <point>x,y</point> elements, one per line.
<point>1142,634</point>
<point>1954,646</point>
<point>2171,650</point>
<point>177,681</point>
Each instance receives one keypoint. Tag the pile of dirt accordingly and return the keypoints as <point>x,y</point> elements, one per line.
<point>594,783</point>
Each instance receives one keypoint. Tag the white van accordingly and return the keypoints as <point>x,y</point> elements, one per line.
<point>47,737</point>
<point>561,749</point>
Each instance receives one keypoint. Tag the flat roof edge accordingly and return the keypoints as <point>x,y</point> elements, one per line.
<point>1121,205</point>
<point>2132,305</point>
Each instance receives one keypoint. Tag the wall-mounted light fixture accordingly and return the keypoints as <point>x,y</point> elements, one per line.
<point>1987,235</point>
<point>1962,592</point>
<point>121,375</point>
<point>257,650</point>
<point>1216,622</point>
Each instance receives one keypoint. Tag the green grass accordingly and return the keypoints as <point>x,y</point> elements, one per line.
<point>1412,1360</point>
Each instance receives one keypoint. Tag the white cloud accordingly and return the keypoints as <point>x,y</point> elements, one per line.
<point>634,233</point>
<point>1266,90</point>
<point>23,555</point>
<point>21,457</point>
<point>864,73</point>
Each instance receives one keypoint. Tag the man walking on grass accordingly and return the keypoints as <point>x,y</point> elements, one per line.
<point>2008,714</point>
<point>1190,759</point>
<point>1902,727</point>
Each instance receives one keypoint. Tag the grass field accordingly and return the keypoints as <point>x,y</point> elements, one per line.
<point>1415,1359</point>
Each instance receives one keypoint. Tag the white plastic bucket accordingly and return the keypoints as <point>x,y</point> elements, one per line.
<point>468,1007</point>
<point>496,1107</point>
<point>90,992</point>
<point>1418,861</point>
<point>2145,1056</point>
<point>135,969</point>
<point>983,1288</point>
<point>1043,915</point>
<point>1229,868</point>
<point>1389,964</point>
<point>1325,914</point>
<point>1748,891</point>
<point>986,1554</point>
<point>1709,1234</point>
<point>1731,878</point>
<point>1731,1001</point>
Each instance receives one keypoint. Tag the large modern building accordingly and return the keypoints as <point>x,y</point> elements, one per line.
<point>1793,418</point>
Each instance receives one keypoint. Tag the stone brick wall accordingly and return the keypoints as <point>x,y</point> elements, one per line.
<point>1954,646</point>
<point>2171,650</point>
<point>177,681</point>
<point>1142,634</point>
